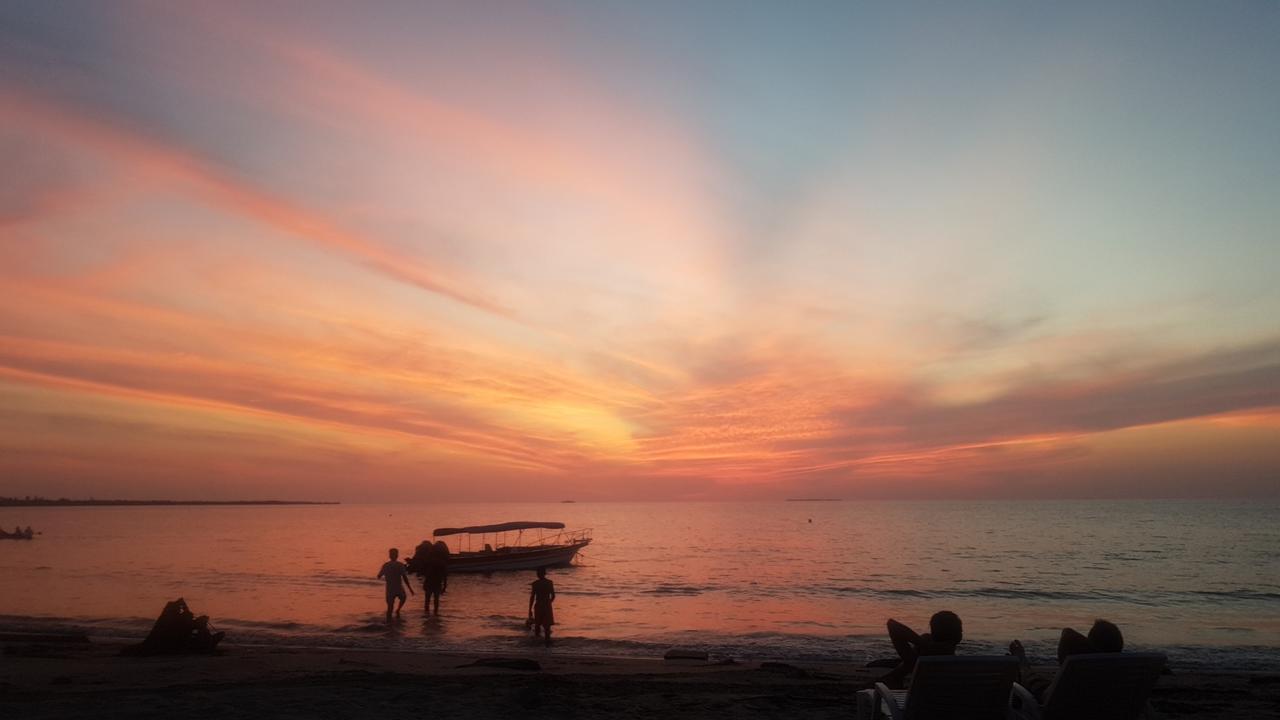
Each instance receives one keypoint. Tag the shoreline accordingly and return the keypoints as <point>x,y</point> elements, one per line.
<point>58,680</point>
<point>404,637</point>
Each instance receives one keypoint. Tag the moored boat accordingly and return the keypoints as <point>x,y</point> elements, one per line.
<point>532,546</point>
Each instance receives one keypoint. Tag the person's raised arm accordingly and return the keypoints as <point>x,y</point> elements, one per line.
<point>905,640</point>
<point>1072,642</point>
<point>900,633</point>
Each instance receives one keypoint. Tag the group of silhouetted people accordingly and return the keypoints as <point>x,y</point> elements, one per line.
<point>946,631</point>
<point>178,631</point>
<point>431,562</point>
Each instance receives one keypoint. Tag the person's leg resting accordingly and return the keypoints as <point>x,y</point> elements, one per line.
<point>895,677</point>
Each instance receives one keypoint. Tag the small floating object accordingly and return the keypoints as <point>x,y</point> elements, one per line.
<point>685,654</point>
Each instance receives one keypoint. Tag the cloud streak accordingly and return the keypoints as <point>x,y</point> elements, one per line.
<point>417,273</point>
<point>149,156</point>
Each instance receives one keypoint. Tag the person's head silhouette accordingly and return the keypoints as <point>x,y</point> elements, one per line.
<point>1104,636</point>
<point>945,627</point>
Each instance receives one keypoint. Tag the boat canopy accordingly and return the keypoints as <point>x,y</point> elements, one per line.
<point>500,527</point>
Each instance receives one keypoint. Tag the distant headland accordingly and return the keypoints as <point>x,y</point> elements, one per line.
<point>813,499</point>
<point>31,501</point>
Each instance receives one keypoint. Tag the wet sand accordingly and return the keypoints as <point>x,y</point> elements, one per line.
<point>63,680</point>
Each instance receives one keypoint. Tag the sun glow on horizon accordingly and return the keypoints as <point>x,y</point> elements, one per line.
<point>527,256</point>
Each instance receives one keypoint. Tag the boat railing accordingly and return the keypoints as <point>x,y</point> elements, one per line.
<point>499,543</point>
<point>564,537</point>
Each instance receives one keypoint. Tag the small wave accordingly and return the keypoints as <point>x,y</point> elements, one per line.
<point>1237,594</point>
<point>363,628</point>
<point>1137,597</point>
<point>266,624</point>
<point>667,589</point>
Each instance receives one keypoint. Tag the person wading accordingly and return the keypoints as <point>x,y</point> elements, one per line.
<point>542,593</point>
<point>397,577</point>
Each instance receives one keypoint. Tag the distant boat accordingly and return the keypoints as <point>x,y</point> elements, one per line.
<point>19,535</point>
<point>525,553</point>
<point>568,501</point>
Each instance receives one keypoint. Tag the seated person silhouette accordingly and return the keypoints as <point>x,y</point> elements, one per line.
<point>178,631</point>
<point>1103,637</point>
<point>945,633</point>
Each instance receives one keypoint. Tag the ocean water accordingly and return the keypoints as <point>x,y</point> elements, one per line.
<point>762,580</point>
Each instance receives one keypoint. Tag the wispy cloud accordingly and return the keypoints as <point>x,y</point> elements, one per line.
<point>420,265</point>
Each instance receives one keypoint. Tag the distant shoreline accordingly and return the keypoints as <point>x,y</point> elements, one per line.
<point>64,502</point>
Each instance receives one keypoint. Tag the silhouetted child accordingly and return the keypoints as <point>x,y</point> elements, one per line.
<point>1103,637</point>
<point>397,577</point>
<point>945,633</point>
<point>541,594</point>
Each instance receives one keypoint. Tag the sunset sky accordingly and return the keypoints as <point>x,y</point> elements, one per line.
<point>639,250</point>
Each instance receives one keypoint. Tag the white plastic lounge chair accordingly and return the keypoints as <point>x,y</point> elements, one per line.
<point>948,688</point>
<point>1096,686</point>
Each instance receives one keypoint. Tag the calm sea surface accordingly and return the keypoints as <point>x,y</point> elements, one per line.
<point>800,580</point>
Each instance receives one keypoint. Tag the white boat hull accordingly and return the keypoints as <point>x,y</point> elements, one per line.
<point>515,558</point>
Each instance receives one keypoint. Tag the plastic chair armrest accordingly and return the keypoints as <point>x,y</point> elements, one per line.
<point>883,692</point>
<point>1030,709</point>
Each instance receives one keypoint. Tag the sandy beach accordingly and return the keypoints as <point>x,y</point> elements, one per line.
<point>64,680</point>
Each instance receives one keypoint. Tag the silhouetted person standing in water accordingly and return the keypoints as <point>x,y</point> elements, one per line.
<point>435,576</point>
<point>541,594</point>
<point>397,577</point>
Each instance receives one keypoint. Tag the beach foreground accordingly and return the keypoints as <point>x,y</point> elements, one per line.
<point>63,680</point>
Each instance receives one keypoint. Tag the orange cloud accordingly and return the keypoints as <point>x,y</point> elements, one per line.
<point>167,163</point>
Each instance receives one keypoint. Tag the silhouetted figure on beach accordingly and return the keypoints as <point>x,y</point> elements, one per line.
<point>397,577</point>
<point>1103,637</point>
<point>542,593</point>
<point>435,575</point>
<point>945,633</point>
<point>178,632</point>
